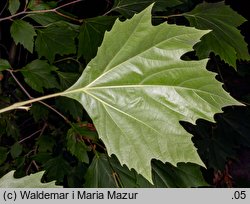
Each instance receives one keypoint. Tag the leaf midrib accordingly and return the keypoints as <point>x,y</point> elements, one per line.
<point>85,89</point>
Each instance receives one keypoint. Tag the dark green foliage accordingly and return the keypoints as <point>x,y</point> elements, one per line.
<point>23,33</point>
<point>37,75</point>
<point>47,52</point>
<point>91,35</point>
<point>49,43</point>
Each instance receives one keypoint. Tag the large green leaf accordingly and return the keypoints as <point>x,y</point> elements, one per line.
<point>57,38</point>
<point>31,181</point>
<point>23,33</point>
<point>137,89</point>
<point>128,8</point>
<point>225,39</point>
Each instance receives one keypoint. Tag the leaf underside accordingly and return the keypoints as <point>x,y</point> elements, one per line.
<point>137,89</point>
<point>31,181</point>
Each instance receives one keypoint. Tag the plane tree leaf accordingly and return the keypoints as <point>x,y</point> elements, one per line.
<point>225,39</point>
<point>23,32</point>
<point>30,181</point>
<point>137,89</point>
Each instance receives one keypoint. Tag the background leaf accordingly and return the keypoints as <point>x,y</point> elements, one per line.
<point>128,8</point>
<point>49,42</point>
<point>45,19</point>
<point>45,143</point>
<point>56,168</point>
<point>225,39</point>
<point>183,176</point>
<point>71,106</point>
<point>3,154</point>
<point>39,112</point>
<point>66,79</point>
<point>100,173</point>
<point>4,64</point>
<point>16,150</point>
<point>105,171</point>
<point>40,5</point>
<point>38,75</point>
<point>137,90</point>
<point>91,35</point>
<point>76,145</point>
<point>31,181</point>
<point>13,6</point>
<point>23,33</point>
<point>220,141</point>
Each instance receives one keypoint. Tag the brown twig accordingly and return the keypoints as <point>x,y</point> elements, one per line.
<point>44,11</point>
<point>30,136</point>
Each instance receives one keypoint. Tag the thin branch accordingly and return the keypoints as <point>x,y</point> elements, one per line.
<point>33,134</point>
<point>56,111</point>
<point>30,97</point>
<point>170,16</point>
<point>30,136</point>
<point>43,11</point>
<point>19,84</point>
<point>67,4</point>
<point>35,164</point>
<point>69,17</point>
<point>4,8</point>
<point>23,103</point>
